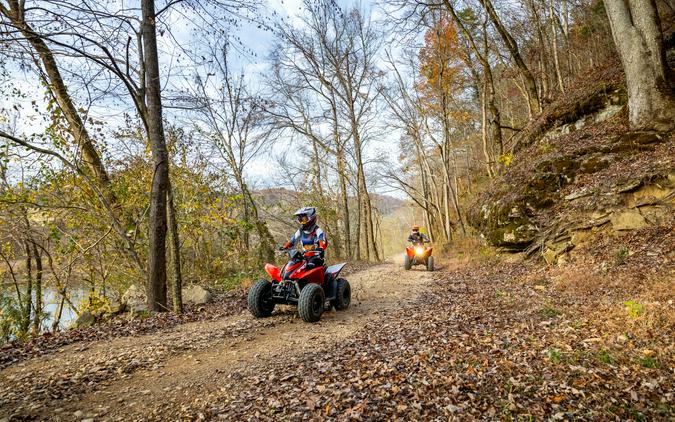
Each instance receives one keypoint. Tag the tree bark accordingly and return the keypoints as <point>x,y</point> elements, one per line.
<point>366,211</point>
<point>637,34</point>
<point>177,282</point>
<point>156,286</point>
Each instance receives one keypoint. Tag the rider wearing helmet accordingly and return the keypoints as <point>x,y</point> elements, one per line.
<point>416,237</point>
<point>310,235</point>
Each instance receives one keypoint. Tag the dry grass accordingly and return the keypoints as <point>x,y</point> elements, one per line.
<point>470,249</point>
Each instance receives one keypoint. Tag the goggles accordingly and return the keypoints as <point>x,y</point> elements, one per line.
<point>302,219</point>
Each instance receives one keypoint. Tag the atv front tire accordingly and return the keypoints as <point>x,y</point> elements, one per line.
<point>310,305</point>
<point>407,264</point>
<point>260,302</point>
<point>430,263</point>
<point>344,295</point>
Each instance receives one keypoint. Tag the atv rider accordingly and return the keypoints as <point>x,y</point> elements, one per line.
<point>417,238</point>
<point>311,236</point>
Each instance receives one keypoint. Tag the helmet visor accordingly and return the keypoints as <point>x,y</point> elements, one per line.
<point>302,219</point>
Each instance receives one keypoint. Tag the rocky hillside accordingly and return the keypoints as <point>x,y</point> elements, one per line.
<point>578,174</point>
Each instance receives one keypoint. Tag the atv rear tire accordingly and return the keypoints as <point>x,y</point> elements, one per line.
<point>407,264</point>
<point>344,295</point>
<point>430,263</point>
<point>260,302</point>
<point>310,305</point>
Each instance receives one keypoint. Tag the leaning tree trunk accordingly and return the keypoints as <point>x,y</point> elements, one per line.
<point>156,287</point>
<point>554,36</point>
<point>344,203</point>
<point>512,46</point>
<point>76,126</point>
<point>637,34</point>
<point>58,89</point>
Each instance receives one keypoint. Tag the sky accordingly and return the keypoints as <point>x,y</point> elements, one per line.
<point>252,58</point>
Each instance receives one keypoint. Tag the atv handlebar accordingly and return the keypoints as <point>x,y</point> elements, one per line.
<point>292,252</point>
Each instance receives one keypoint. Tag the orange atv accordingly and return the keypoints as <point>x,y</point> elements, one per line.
<point>418,254</point>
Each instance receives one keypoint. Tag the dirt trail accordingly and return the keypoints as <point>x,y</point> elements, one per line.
<point>131,377</point>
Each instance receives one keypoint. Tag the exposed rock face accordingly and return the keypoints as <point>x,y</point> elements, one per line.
<point>628,220</point>
<point>532,212</point>
<point>135,299</point>
<point>196,295</point>
<point>506,224</point>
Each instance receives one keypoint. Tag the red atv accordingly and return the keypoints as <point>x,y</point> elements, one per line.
<point>311,290</point>
<point>418,254</point>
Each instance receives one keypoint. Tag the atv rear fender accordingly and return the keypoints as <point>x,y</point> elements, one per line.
<point>273,271</point>
<point>330,280</point>
<point>333,271</point>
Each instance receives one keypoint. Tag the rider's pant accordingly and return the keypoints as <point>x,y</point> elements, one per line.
<point>314,262</point>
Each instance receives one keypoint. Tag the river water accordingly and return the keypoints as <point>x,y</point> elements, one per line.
<point>51,300</point>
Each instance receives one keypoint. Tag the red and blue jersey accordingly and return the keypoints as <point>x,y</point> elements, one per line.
<point>312,239</point>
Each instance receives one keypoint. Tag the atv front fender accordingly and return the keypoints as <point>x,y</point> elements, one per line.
<point>273,271</point>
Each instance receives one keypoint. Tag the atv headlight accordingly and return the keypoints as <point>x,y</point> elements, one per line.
<point>419,250</point>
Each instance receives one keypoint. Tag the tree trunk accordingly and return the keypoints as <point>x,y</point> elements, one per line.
<point>364,197</point>
<point>27,308</point>
<point>344,202</point>
<point>467,151</point>
<point>543,59</point>
<point>484,134</point>
<point>495,114</point>
<point>266,251</point>
<point>38,290</point>
<point>357,229</point>
<point>455,202</point>
<point>177,282</point>
<point>59,313</point>
<point>156,288</point>
<point>637,34</point>
<point>484,59</point>
<point>554,36</point>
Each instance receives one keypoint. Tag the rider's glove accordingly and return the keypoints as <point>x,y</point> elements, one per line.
<point>286,246</point>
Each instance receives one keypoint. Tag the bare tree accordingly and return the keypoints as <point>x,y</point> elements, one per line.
<point>331,65</point>
<point>232,123</point>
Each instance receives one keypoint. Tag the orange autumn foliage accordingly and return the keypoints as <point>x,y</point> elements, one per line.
<point>441,67</point>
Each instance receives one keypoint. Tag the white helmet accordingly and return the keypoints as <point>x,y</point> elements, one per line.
<point>306,217</point>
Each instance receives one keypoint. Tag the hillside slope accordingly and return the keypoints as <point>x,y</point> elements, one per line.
<point>578,174</point>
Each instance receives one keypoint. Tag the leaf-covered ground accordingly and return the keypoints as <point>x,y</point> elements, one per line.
<point>489,339</point>
<point>506,341</point>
